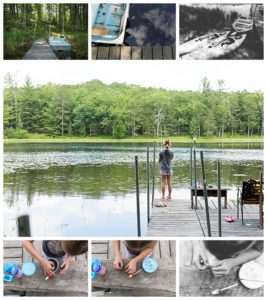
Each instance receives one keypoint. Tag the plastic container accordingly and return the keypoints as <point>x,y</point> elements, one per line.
<point>97,268</point>
<point>28,269</point>
<point>56,264</point>
<point>8,278</point>
<point>16,272</point>
<point>149,265</point>
<point>8,267</point>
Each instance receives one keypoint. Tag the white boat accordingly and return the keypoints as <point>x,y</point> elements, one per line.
<point>217,49</point>
<point>109,22</point>
<point>199,42</point>
<point>59,44</point>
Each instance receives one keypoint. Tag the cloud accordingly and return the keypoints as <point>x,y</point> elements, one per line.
<point>140,34</point>
<point>165,22</point>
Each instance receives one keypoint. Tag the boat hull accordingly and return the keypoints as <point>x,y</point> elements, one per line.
<point>216,50</point>
<point>109,23</point>
<point>59,45</point>
<point>243,24</point>
<point>199,42</point>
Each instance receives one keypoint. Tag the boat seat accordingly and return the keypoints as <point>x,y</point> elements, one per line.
<point>99,31</point>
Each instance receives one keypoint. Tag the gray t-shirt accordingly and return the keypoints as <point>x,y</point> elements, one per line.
<point>165,158</point>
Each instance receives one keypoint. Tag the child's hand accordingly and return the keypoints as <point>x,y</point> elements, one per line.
<point>65,265</point>
<point>199,256</point>
<point>223,267</point>
<point>117,264</point>
<point>48,267</point>
<point>131,266</point>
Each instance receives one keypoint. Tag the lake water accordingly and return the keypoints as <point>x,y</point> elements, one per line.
<point>89,189</point>
<point>151,25</point>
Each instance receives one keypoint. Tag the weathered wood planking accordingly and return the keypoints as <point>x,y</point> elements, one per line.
<point>134,53</point>
<point>40,50</point>
<point>234,228</point>
<point>73,282</point>
<point>164,279</point>
<point>178,219</point>
<point>196,283</point>
<point>163,249</point>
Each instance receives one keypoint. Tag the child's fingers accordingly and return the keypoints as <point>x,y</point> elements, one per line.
<point>127,269</point>
<point>217,268</point>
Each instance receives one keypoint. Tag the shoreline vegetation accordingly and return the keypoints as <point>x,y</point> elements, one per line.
<point>38,139</point>
<point>26,23</point>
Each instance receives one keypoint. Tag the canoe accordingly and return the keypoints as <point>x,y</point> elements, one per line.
<point>215,50</point>
<point>109,21</point>
<point>59,44</point>
<point>199,42</point>
<point>243,24</point>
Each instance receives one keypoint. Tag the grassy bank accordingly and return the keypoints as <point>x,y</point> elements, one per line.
<point>180,139</point>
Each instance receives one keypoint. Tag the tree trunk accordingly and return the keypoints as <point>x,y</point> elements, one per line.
<point>77,14</point>
<point>62,116</point>
<point>25,15</point>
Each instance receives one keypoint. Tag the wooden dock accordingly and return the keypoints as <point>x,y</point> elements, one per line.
<point>73,283</point>
<point>40,50</point>
<point>144,284</point>
<point>178,219</point>
<point>134,53</point>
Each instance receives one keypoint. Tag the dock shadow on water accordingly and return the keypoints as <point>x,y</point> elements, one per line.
<point>151,25</point>
<point>86,189</point>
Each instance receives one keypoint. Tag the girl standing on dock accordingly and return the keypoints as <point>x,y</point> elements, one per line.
<point>165,158</point>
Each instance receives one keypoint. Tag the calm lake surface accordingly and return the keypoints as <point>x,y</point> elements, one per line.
<point>151,25</point>
<point>89,189</point>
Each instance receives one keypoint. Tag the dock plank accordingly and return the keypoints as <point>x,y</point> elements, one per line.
<point>94,53</point>
<point>136,52</point>
<point>114,52</point>
<point>103,53</point>
<point>69,282</point>
<point>154,281</point>
<point>125,53</point>
<point>61,284</point>
<point>157,52</point>
<point>133,52</point>
<point>167,52</point>
<point>40,50</point>
<point>178,219</point>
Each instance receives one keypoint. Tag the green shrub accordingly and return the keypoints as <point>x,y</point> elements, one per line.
<point>11,133</point>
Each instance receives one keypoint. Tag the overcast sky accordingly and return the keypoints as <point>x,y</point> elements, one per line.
<point>182,75</point>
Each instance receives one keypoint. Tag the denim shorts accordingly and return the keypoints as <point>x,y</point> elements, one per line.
<point>166,172</point>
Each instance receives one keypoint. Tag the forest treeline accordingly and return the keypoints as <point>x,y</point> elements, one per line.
<point>24,23</point>
<point>122,110</point>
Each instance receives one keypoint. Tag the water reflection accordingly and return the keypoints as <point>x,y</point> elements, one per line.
<point>90,189</point>
<point>152,24</point>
